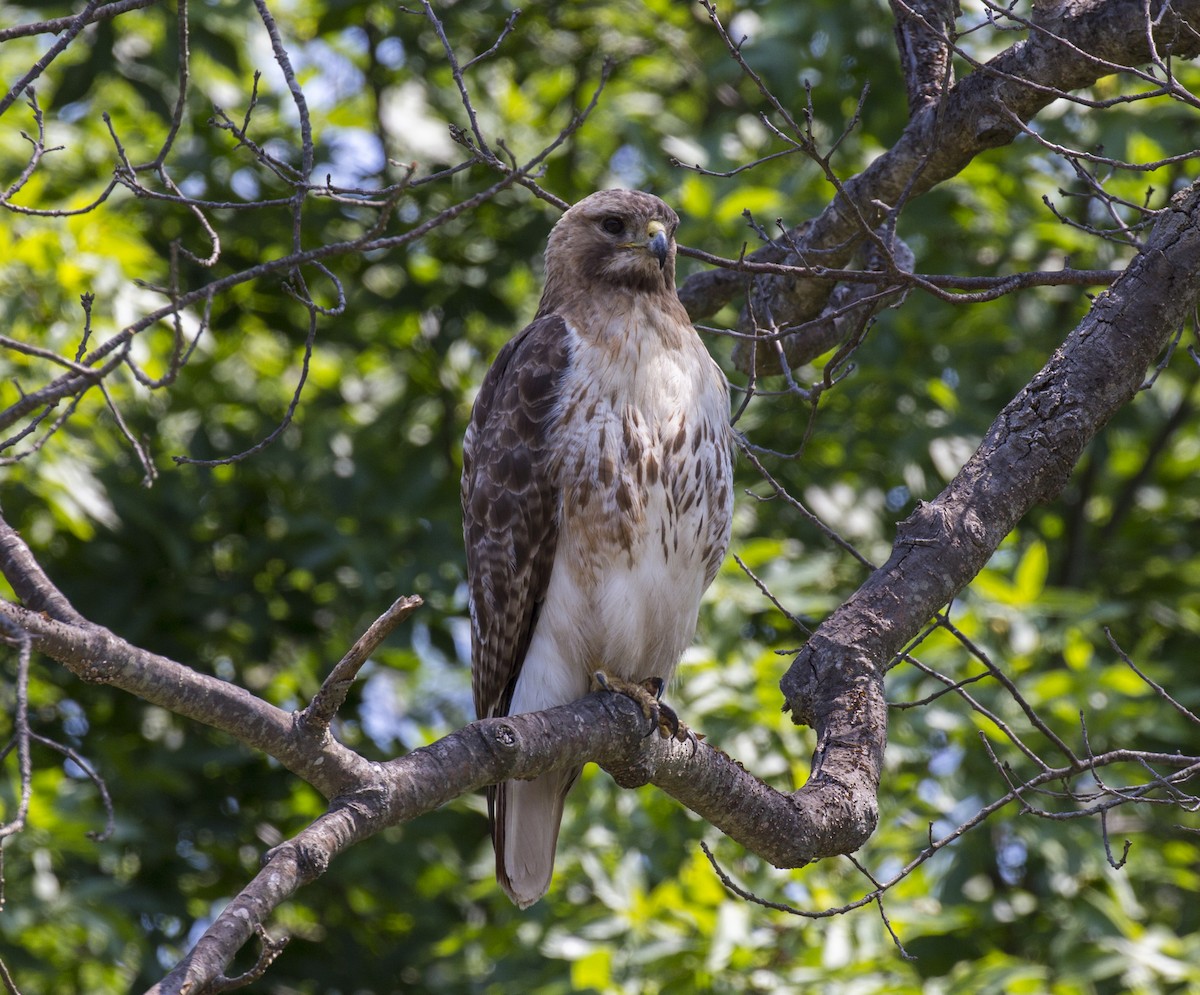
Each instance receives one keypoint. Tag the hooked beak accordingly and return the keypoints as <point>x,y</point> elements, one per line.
<point>658,242</point>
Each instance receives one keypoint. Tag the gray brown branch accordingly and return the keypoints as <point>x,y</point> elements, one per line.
<point>606,728</point>
<point>332,694</point>
<point>788,830</point>
<point>1026,457</point>
<point>1077,43</point>
<point>924,35</point>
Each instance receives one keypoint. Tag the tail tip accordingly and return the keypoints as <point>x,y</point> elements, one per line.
<point>526,889</point>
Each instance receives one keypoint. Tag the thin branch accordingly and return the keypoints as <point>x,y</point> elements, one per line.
<point>110,817</point>
<point>28,349</point>
<point>887,923</point>
<point>1162,692</point>
<point>149,470</point>
<point>977,706</point>
<point>456,71</point>
<point>56,24</point>
<point>183,40</point>
<point>504,33</point>
<point>279,429</point>
<point>76,24</point>
<point>6,978</point>
<point>1115,863</point>
<point>269,950</point>
<point>332,694</point>
<point>14,634</point>
<point>1010,686</point>
<point>766,593</point>
<point>809,516</point>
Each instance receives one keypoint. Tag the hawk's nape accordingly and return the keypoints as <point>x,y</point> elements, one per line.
<point>597,495</point>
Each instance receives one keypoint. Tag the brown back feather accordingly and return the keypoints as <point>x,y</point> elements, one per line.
<point>510,505</point>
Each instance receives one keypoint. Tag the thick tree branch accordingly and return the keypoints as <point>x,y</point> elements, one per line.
<point>1077,43</point>
<point>1026,457</point>
<point>924,36</point>
<point>29,581</point>
<point>826,817</point>
<point>97,656</point>
<point>786,829</point>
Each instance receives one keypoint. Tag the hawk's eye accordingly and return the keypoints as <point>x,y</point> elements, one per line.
<point>613,225</point>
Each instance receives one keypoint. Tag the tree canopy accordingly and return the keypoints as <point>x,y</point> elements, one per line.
<point>255,257</point>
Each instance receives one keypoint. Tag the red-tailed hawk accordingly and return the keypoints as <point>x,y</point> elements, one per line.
<point>597,494</point>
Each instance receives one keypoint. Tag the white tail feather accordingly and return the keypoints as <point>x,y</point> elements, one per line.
<point>532,815</point>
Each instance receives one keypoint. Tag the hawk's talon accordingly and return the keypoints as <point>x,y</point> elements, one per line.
<point>656,686</point>
<point>668,722</point>
<point>600,682</point>
<point>648,695</point>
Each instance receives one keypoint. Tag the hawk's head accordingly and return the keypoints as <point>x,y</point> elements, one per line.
<point>619,238</point>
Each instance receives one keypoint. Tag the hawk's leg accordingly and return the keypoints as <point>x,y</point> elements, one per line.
<point>648,695</point>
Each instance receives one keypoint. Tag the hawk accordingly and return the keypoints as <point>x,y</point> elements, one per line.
<point>597,496</point>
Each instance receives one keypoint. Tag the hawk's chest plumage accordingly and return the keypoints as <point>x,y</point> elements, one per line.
<point>642,467</point>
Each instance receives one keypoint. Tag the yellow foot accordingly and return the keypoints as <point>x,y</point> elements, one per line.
<point>648,695</point>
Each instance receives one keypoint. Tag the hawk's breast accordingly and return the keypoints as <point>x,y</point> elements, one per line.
<point>645,481</point>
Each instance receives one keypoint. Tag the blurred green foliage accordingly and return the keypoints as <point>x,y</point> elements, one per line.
<point>264,571</point>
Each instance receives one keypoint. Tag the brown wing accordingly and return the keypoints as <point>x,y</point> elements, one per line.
<point>510,505</point>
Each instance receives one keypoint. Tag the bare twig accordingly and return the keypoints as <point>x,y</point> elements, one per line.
<point>269,950</point>
<point>56,24</point>
<point>6,978</point>
<point>77,24</point>
<point>332,694</point>
<point>1158,688</point>
<point>15,635</point>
